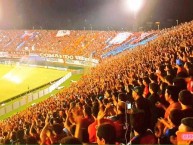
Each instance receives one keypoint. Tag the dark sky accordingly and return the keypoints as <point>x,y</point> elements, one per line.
<point>98,14</point>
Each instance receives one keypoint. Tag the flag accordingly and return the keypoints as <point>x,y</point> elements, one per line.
<point>62,33</point>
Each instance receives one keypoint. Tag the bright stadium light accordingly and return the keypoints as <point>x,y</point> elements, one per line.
<point>134,5</point>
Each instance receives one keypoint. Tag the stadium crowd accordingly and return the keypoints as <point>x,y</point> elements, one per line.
<point>67,42</point>
<point>81,43</point>
<point>155,81</point>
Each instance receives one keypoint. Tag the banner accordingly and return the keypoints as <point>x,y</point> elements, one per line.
<point>55,60</point>
<point>4,54</point>
<point>77,62</point>
<point>62,33</point>
<point>26,35</point>
<point>68,57</point>
<point>120,38</point>
<point>61,58</point>
<point>17,54</point>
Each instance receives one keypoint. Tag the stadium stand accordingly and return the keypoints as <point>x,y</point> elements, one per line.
<point>155,78</point>
<point>83,43</point>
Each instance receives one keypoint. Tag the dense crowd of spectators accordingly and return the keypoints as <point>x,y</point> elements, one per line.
<point>82,43</point>
<point>143,96</point>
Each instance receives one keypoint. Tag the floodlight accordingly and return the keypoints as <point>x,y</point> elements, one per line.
<point>134,5</point>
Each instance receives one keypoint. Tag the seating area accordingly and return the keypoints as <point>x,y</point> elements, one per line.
<point>154,75</point>
<point>82,43</point>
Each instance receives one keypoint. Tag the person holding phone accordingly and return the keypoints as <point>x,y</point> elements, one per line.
<point>128,105</point>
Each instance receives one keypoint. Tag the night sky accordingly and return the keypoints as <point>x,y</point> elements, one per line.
<point>87,14</point>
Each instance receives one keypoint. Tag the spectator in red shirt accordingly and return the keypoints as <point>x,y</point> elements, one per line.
<point>146,82</point>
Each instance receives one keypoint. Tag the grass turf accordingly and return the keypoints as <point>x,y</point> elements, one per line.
<point>66,84</point>
<point>15,80</point>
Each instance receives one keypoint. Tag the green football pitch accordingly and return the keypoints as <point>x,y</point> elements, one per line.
<point>15,80</point>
